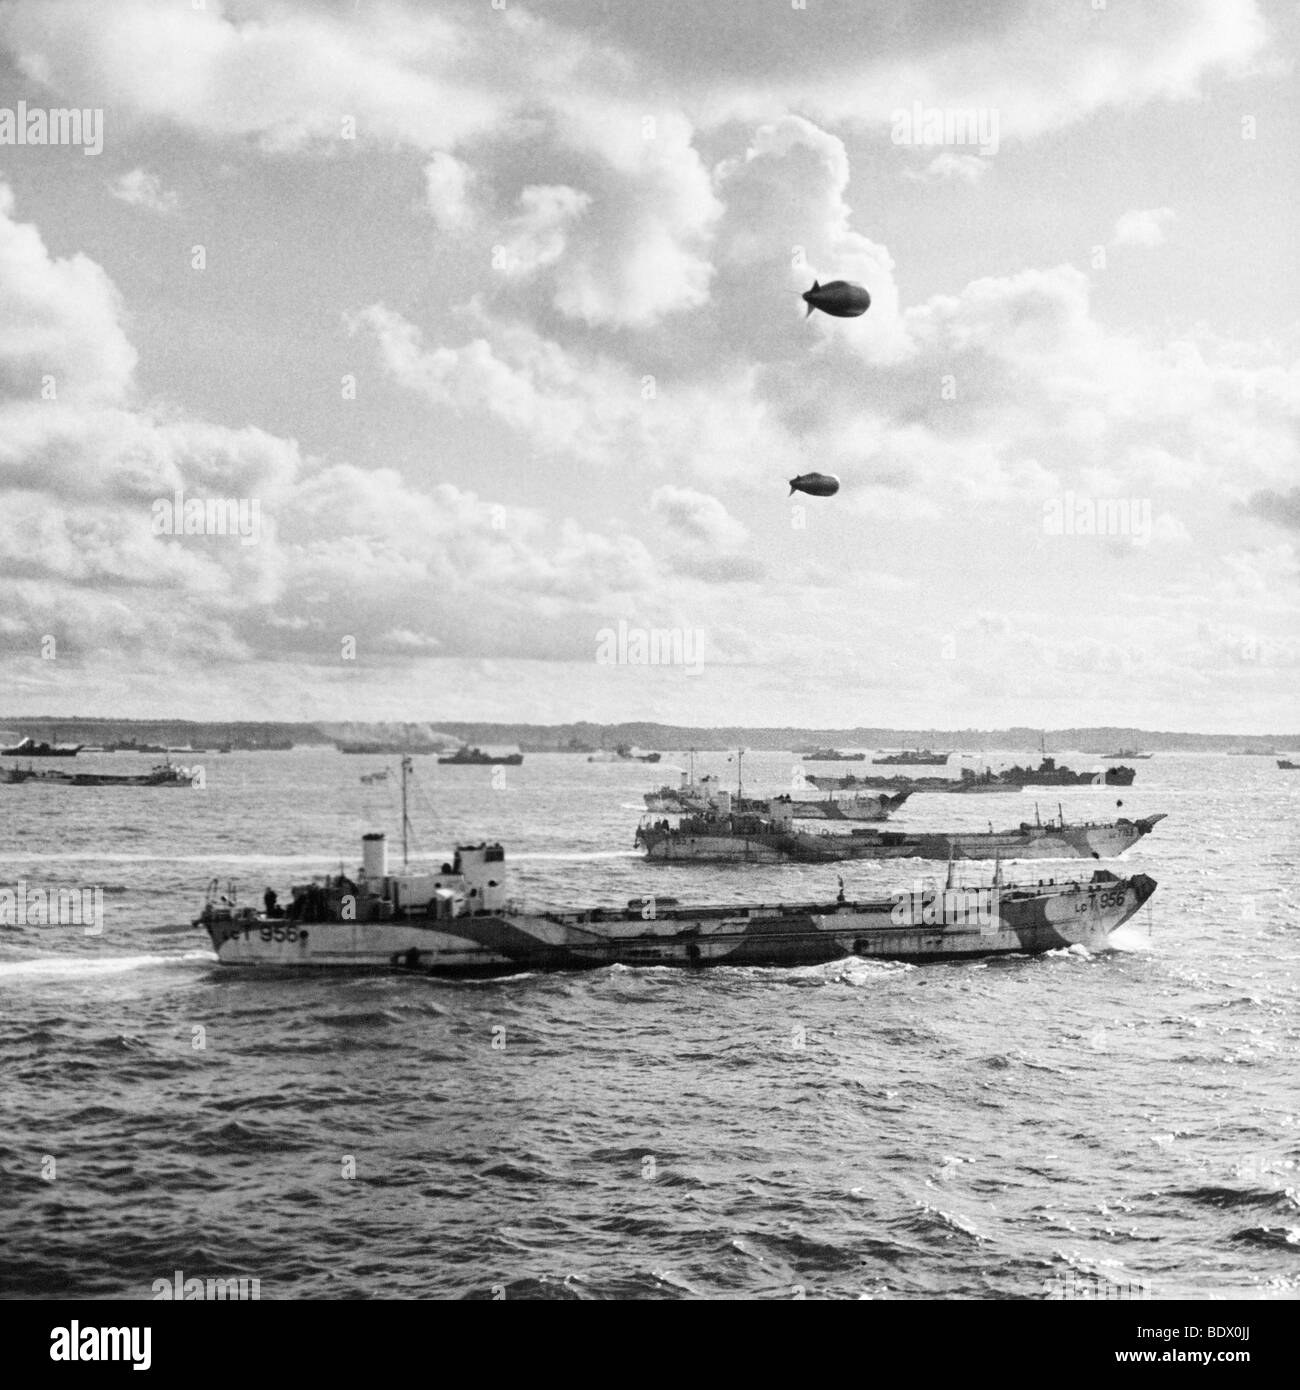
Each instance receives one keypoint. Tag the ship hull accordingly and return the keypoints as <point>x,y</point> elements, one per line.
<point>1070,842</point>
<point>957,925</point>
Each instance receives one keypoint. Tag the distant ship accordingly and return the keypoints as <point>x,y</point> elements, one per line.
<point>1126,753</point>
<point>1252,752</point>
<point>1047,774</point>
<point>393,749</point>
<point>688,795</point>
<point>164,775</point>
<point>129,745</point>
<point>30,748</point>
<point>969,782</point>
<point>623,753</point>
<point>476,757</point>
<point>832,755</point>
<point>918,757</point>
<point>460,922</point>
<point>698,797</point>
<point>721,837</point>
<point>1287,766</point>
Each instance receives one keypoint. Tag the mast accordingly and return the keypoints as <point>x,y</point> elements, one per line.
<point>740,774</point>
<point>406,767</point>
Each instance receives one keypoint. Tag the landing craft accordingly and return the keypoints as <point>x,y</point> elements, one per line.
<point>815,484</point>
<point>840,298</point>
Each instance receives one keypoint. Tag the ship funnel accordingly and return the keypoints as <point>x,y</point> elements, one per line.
<point>374,856</point>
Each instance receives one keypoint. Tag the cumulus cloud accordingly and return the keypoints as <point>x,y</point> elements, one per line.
<point>60,337</point>
<point>145,190</point>
<point>950,168</point>
<point>1142,227</point>
<point>447,185</point>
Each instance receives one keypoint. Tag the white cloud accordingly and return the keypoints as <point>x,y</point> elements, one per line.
<point>144,190</point>
<point>950,168</point>
<point>1142,227</point>
<point>59,329</point>
<point>447,184</point>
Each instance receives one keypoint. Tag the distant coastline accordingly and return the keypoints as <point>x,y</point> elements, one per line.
<point>664,737</point>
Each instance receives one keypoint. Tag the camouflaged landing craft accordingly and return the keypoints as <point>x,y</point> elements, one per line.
<point>460,923</point>
<point>721,837</point>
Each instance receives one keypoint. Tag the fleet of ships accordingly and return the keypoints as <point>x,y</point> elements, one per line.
<point>462,920</point>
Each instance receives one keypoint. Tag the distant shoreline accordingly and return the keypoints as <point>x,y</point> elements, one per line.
<point>579,737</point>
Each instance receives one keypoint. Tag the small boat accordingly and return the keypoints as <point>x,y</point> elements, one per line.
<point>1287,765</point>
<point>380,776</point>
<point>476,757</point>
<point>31,748</point>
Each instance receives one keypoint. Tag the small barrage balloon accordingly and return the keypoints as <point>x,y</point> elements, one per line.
<point>842,299</point>
<point>815,484</point>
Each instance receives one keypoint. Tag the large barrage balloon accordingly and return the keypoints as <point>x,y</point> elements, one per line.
<point>815,484</point>
<point>840,298</point>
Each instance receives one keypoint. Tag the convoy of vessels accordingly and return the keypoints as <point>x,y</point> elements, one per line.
<point>460,922</point>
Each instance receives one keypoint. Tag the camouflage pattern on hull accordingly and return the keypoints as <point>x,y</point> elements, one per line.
<point>1026,842</point>
<point>956,924</point>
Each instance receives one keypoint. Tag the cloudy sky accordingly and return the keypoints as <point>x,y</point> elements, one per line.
<point>492,309</point>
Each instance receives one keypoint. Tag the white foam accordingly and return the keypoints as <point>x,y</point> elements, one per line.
<point>73,966</point>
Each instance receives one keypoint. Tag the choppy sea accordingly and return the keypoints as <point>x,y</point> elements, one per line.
<point>1028,1128</point>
